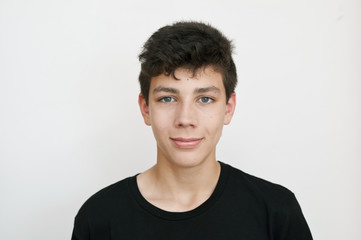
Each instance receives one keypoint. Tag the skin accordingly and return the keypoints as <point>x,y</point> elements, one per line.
<point>187,117</point>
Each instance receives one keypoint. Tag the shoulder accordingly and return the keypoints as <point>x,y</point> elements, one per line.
<point>103,207</point>
<point>284,215</point>
<point>104,200</point>
<point>274,197</point>
<point>258,185</point>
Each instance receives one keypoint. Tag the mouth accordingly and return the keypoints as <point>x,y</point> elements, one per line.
<point>186,142</point>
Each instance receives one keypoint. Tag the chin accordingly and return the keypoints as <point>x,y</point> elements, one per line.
<point>188,161</point>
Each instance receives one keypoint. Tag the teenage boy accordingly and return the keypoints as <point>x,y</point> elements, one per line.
<point>187,94</point>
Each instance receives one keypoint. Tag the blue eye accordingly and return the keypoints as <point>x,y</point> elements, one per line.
<point>166,99</point>
<point>205,99</point>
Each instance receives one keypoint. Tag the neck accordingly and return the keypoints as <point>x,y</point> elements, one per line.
<point>175,188</point>
<point>187,179</point>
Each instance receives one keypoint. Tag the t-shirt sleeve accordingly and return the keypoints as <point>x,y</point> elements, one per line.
<point>80,230</point>
<point>288,221</point>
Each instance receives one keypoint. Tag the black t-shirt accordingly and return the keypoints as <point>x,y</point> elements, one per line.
<point>241,207</point>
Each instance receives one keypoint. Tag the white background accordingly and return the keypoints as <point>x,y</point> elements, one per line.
<point>70,124</point>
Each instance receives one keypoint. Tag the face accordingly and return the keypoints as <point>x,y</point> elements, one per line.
<point>187,115</point>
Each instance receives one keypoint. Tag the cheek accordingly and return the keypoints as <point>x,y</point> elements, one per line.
<point>215,116</point>
<point>214,123</point>
<point>160,120</point>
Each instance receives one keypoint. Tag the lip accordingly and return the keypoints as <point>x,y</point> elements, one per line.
<point>186,143</point>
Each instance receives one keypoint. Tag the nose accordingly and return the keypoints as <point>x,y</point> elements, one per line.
<point>186,115</point>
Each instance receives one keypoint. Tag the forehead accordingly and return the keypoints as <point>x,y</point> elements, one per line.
<point>186,79</point>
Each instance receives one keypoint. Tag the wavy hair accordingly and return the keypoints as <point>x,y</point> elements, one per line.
<point>190,45</point>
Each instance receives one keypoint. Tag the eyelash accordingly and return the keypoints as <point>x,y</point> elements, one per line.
<point>172,99</point>
<point>210,100</point>
<point>162,99</point>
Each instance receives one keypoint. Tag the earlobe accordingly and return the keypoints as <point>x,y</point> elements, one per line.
<point>230,107</point>
<point>144,109</point>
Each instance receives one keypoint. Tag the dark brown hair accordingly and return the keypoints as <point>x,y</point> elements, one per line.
<point>190,45</point>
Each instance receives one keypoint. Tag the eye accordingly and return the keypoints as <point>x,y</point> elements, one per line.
<point>166,99</point>
<point>206,100</point>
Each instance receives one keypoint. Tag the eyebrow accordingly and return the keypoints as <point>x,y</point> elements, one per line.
<point>207,89</point>
<point>165,89</point>
<point>176,91</point>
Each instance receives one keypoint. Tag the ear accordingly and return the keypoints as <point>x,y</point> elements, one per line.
<point>144,109</point>
<point>230,107</point>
